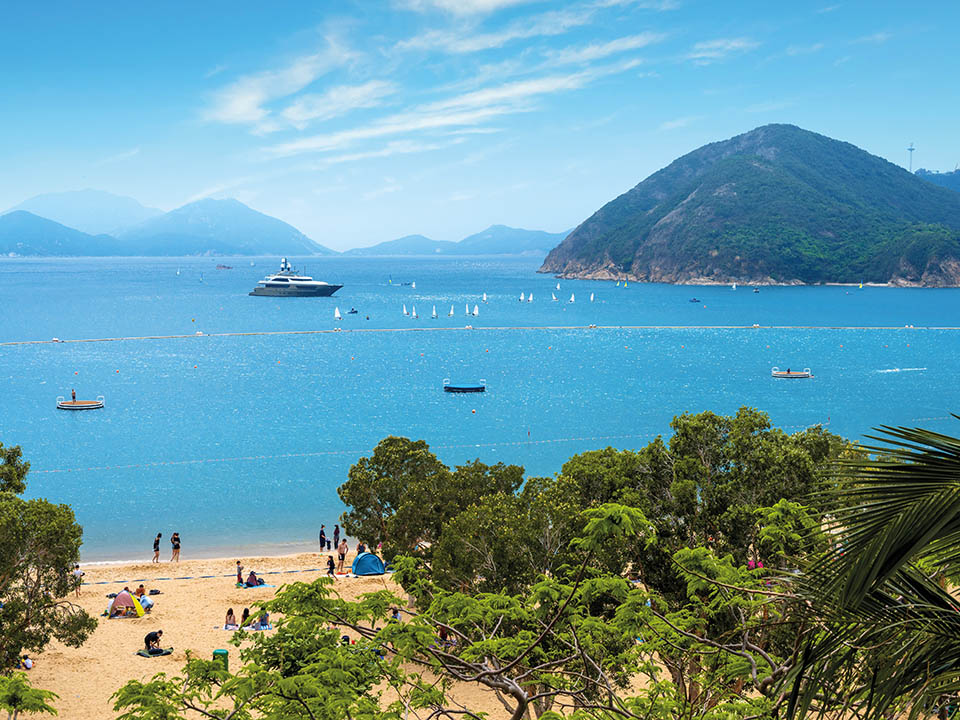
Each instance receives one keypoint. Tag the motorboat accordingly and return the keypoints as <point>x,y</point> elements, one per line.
<point>288,283</point>
<point>477,387</point>
<point>789,374</point>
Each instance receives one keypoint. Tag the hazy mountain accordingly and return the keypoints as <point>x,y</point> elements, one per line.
<point>90,211</point>
<point>218,227</point>
<point>23,233</point>
<point>495,240</point>
<point>406,245</point>
<point>777,204</point>
<point>503,240</point>
<point>943,179</point>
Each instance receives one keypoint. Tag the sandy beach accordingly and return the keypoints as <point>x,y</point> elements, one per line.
<point>189,611</point>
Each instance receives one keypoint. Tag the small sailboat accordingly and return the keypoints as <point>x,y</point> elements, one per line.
<point>413,285</point>
<point>861,285</point>
<point>484,297</point>
<point>414,313</point>
<point>591,297</point>
<point>336,314</point>
<point>476,311</point>
<point>733,287</point>
<point>178,272</point>
<point>571,297</point>
<point>405,309</point>
<point>450,314</point>
<point>434,313</point>
<point>618,283</point>
<point>466,309</point>
<point>553,296</point>
<point>530,297</point>
<point>756,290</point>
<point>558,286</point>
<point>521,297</point>
<point>201,277</point>
<point>624,283</point>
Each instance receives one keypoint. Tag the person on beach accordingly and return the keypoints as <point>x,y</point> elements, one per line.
<point>253,580</point>
<point>152,641</point>
<point>342,553</point>
<point>145,602</point>
<point>231,622</point>
<point>331,567</point>
<point>323,538</point>
<point>239,573</point>
<point>244,617</point>
<point>361,548</point>
<point>77,578</point>
<point>175,542</point>
<point>156,547</point>
<point>336,536</point>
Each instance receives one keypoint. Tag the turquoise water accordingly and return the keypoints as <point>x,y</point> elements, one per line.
<point>240,442</point>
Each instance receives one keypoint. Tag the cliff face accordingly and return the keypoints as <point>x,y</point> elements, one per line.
<point>775,205</point>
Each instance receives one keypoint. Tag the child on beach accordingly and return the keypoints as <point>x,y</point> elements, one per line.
<point>331,567</point>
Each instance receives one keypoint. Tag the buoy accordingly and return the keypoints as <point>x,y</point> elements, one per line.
<point>118,371</point>
<point>76,373</point>
<point>195,367</point>
<point>193,319</point>
<point>474,412</point>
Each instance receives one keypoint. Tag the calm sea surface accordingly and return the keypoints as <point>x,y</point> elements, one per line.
<point>239,443</point>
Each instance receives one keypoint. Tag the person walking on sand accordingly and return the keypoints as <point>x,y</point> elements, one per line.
<point>77,578</point>
<point>175,542</point>
<point>342,553</point>
<point>336,536</point>
<point>331,567</point>
<point>156,547</point>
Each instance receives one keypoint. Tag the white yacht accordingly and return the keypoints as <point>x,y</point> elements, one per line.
<point>287,283</point>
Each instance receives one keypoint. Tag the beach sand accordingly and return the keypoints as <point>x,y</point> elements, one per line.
<point>190,613</point>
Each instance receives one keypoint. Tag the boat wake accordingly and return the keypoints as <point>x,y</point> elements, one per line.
<point>893,370</point>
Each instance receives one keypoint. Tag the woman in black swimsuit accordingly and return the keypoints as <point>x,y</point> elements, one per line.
<point>175,541</point>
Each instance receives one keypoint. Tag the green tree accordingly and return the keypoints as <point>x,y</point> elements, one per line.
<point>18,697</point>
<point>39,543</point>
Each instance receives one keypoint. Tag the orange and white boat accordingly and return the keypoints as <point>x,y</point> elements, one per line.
<point>63,404</point>
<point>789,374</point>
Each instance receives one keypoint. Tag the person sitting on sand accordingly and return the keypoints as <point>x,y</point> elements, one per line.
<point>245,617</point>
<point>26,663</point>
<point>253,580</point>
<point>231,622</point>
<point>263,623</point>
<point>152,642</point>
<point>145,602</point>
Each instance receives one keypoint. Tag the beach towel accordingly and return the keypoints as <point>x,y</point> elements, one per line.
<point>255,628</point>
<point>144,653</point>
<point>253,587</point>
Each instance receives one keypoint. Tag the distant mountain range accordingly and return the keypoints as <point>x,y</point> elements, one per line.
<point>23,233</point>
<point>775,205</point>
<point>495,240</point>
<point>943,179</point>
<point>91,211</point>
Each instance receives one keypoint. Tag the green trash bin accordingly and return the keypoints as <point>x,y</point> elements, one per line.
<point>224,657</point>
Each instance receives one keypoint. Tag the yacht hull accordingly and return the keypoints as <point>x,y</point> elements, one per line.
<point>323,291</point>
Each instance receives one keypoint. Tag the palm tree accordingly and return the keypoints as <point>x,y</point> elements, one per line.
<point>885,638</point>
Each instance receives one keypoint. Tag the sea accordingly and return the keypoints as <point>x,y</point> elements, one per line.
<point>233,419</point>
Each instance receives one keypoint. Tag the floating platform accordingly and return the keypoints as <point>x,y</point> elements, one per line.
<point>63,404</point>
<point>465,387</point>
<point>789,374</point>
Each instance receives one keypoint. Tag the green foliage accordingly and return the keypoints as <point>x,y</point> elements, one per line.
<point>39,543</point>
<point>18,697</point>
<point>777,202</point>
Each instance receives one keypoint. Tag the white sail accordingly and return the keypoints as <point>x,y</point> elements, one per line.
<point>591,297</point>
<point>466,309</point>
<point>558,286</point>
<point>734,287</point>
<point>618,283</point>
<point>521,297</point>
<point>434,314</point>
<point>476,310</point>
<point>553,296</point>
<point>484,297</point>
<point>571,297</point>
<point>405,309</point>
<point>450,314</point>
<point>336,313</point>
<point>530,297</point>
<point>413,285</point>
<point>178,271</point>
<point>414,313</point>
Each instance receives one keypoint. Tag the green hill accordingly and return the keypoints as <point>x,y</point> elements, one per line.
<point>943,179</point>
<point>407,245</point>
<point>775,205</point>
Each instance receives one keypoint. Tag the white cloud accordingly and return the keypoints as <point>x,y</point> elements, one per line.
<point>242,101</point>
<point>336,101</point>
<point>391,186</point>
<point>705,52</point>
<point>794,50</point>
<point>544,25</point>
<point>828,9</point>
<point>215,70</point>
<point>661,5</point>
<point>125,155</point>
<point>680,122</point>
<point>876,39</point>
<point>396,147</point>
<point>588,53</point>
<point>461,7</point>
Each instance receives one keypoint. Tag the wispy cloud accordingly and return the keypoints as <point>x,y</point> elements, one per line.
<point>458,42</point>
<point>877,38</point>
<point>215,70</point>
<point>711,50</point>
<point>118,157</point>
<point>828,9</point>
<point>461,7</point>
<point>770,106</point>
<point>397,147</point>
<point>243,101</point>
<point>841,60</point>
<point>336,101</point>
<point>794,50</point>
<point>598,51</point>
<point>391,186</point>
<point>660,5</point>
<point>680,122</point>
<point>211,190</point>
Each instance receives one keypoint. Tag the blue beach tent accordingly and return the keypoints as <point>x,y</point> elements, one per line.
<point>367,564</point>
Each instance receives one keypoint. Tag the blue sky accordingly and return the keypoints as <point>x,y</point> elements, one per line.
<point>359,122</point>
